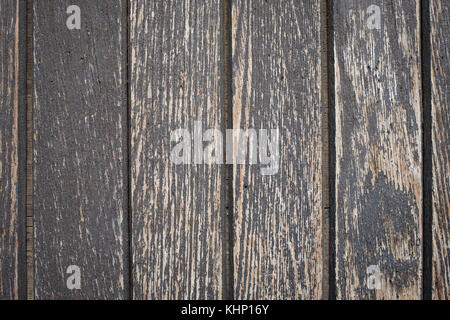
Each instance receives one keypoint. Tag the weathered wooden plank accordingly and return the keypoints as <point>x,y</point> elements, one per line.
<point>12,106</point>
<point>378,150</point>
<point>79,141</point>
<point>277,85</point>
<point>440,101</point>
<point>175,81</point>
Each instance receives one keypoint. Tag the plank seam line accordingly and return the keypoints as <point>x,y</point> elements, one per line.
<point>325,150</point>
<point>29,226</point>
<point>22,151</point>
<point>427,173</point>
<point>127,176</point>
<point>332,149</point>
<point>227,171</point>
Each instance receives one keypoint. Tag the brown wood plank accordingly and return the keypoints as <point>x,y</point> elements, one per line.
<point>277,84</point>
<point>12,106</point>
<point>80,215</point>
<point>378,150</point>
<point>175,80</point>
<point>440,77</point>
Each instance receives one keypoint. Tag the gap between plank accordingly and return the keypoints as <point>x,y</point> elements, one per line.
<point>29,153</point>
<point>325,152</point>
<point>128,250</point>
<point>22,150</point>
<point>331,150</point>
<point>227,169</point>
<point>427,174</point>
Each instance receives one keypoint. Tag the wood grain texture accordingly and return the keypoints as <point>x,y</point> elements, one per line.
<point>440,71</point>
<point>12,221</point>
<point>277,85</point>
<point>79,141</point>
<point>175,80</point>
<point>378,149</point>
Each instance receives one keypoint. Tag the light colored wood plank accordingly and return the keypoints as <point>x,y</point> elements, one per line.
<point>175,80</point>
<point>378,150</point>
<point>440,101</point>
<point>277,84</point>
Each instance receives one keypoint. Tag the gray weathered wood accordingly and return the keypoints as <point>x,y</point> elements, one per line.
<point>12,223</point>
<point>79,150</point>
<point>440,71</point>
<point>378,149</point>
<point>175,80</point>
<point>277,85</point>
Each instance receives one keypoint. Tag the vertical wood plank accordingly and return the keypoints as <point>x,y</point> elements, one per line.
<point>12,106</point>
<point>378,150</point>
<point>175,80</point>
<point>277,85</point>
<point>440,70</point>
<point>79,141</point>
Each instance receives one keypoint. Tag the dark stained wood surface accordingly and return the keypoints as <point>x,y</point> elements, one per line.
<point>80,198</point>
<point>277,85</point>
<point>87,179</point>
<point>11,150</point>
<point>378,150</point>
<point>440,99</point>
<point>175,80</point>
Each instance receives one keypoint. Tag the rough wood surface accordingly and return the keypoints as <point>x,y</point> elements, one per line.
<point>378,149</point>
<point>12,221</point>
<point>440,77</point>
<point>277,85</point>
<point>79,140</point>
<point>175,80</point>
